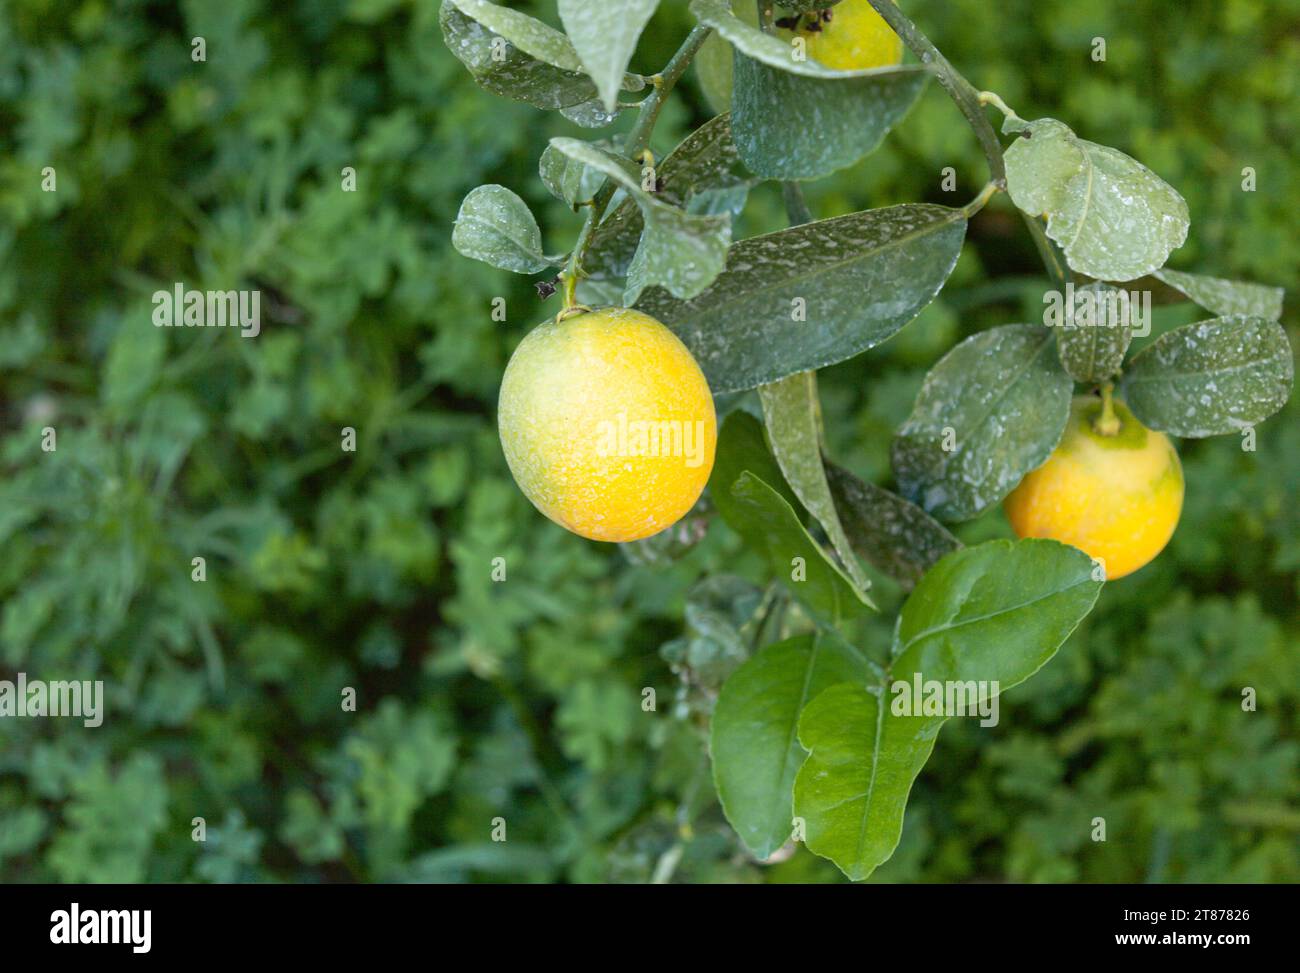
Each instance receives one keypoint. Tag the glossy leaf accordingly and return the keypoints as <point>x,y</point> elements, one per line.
<point>678,250</point>
<point>990,411</point>
<point>1221,296</point>
<point>896,536</point>
<point>1211,378</point>
<point>604,34</point>
<point>752,736</point>
<point>494,225</point>
<point>1114,218</point>
<point>993,613</point>
<point>770,525</point>
<point>854,280</point>
<point>1092,345</point>
<point>792,413</point>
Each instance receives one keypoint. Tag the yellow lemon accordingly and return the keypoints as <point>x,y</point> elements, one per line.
<point>1117,498</point>
<point>607,424</point>
<point>853,38</point>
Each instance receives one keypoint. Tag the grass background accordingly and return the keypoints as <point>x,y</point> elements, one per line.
<point>372,569</point>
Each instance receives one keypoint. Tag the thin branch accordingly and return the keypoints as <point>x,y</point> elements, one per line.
<point>971,104</point>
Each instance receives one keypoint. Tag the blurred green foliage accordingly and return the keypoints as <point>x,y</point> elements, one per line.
<point>521,699</point>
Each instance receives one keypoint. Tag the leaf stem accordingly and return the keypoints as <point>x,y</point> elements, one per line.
<point>1107,423</point>
<point>638,139</point>
<point>796,207</point>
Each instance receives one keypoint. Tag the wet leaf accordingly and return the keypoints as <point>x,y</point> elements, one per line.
<point>1114,218</point>
<point>604,34</point>
<point>1221,296</point>
<point>990,411</point>
<point>815,294</point>
<point>1211,378</point>
<point>494,225</point>
<point>896,536</point>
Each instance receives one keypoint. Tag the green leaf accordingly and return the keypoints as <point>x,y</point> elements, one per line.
<point>990,411</point>
<point>529,34</point>
<point>1226,296</point>
<point>591,114</point>
<point>678,250</point>
<point>495,226</point>
<point>754,500</point>
<point>992,613</point>
<point>778,101</point>
<point>604,33</point>
<point>896,536</point>
<point>752,739</point>
<point>742,446</point>
<point>1211,378</point>
<point>1114,218</point>
<point>790,126</point>
<point>1092,344</point>
<point>568,179</point>
<point>706,160</point>
<point>792,412</point>
<point>857,280</point>
<point>770,524</point>
<point>507,70</point>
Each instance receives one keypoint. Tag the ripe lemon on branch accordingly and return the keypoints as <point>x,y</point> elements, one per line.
<point>1112,488</point>
<point>607,424</point>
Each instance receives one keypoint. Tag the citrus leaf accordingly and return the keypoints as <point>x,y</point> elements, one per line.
<point>752,741</point>
<point>507,70</point>
<point>770,525</point>
<point>896,536</point>
<point>678,250</point>
<point>591,114</point>
<point>793,415</point>
<point>779,98</point>
<point>1114,218</point>
<point>1221,296</point>
<point>752,42</point>
<point>992,613</point>
<point>773,112</point>
<point>568,179</point>
<point>1211,378</point>
<point>496,226</point>
<point>742,446</point>
<point>604,34</point>
<point>754,500</point>
<point>706,160</point>
<point>990,411</point>
<point>857,279</point>
<point>528,34</point>
<point>1092,343</point>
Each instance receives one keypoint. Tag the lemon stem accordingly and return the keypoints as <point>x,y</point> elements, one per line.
<point>1107,423</point>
